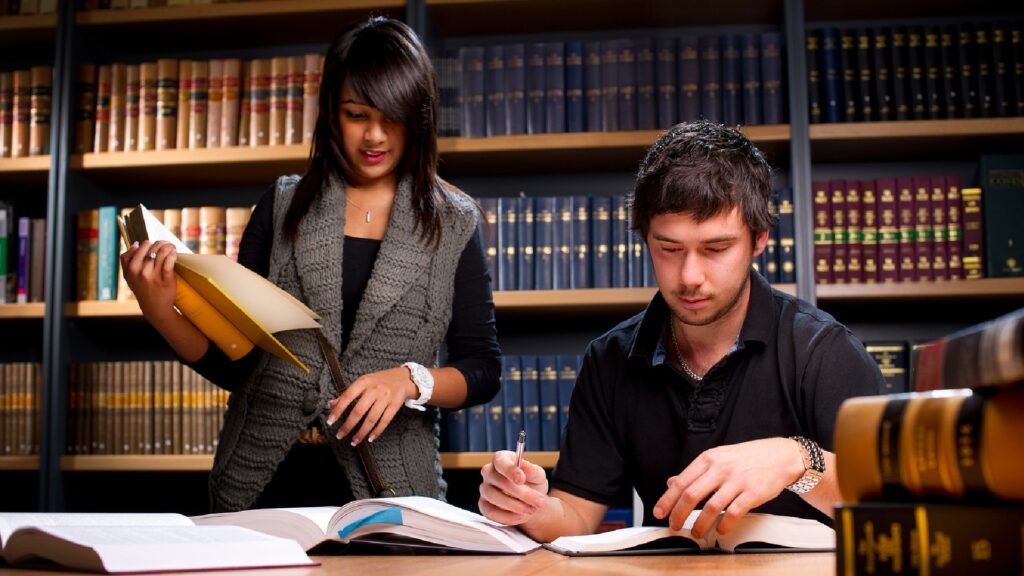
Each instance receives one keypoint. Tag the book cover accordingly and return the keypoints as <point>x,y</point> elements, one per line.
<point>544,252</point>
<point>278,99</point>
<point>940,228</point>
<point>626,74</point>
<point>102,132</point>
<point>147,106</point>
<point>865,75</point>
<point>619,245</point>
<point>85,109</point>
<point>107,244</point>
<point>574,98</point>
<point>567,369</point>
<point>489,229</point>
<point>118,93</point>
<point>132,107</point>
<point>916,73</point>
<point>1002,180</point>
<point>881,58</point>
<point>750,69</point>
<point>494,87</point>
<point>973,258</point>
<point>530,379</point>
<point>869,231</point>
<point>831,77</point>
<point>948,79</point>
<point>899,73</point>
<point>732,101</point>
<point>893,359</point>
<point>167,110</point>
<point>39,110</point>
<point>954,228</point>
<point>494,414</point>
<point>37,259</point>
<point>823,233</point>
<point>985,355</point>
<point>906,213</point>
<point>787,237</point>
<point>610,85</point>
<point>854,233</point>
<point>668,101</point>
<point>310,93</point>
<point>581,248</point>
<point>593,97</point>
<point>525,243</point>
<point>563,243</point>
<point>215,104</point>
<point>512,392</point>
<point>646,86</point>
<point>508,243</point>
<point>983,69</point>
<point>536,95</point>
<point>934,95</point>
<point>476,417</point>
<point>771,78</point>
<point>689,79</point>
<point>710,78</point>
<point>888,231</point>
<point>924,236</point>
<point>515,87</point>
<point>550,433</point>
<point>601,242</point>
<point>293,124</point>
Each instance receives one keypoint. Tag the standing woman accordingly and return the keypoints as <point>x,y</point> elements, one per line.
<point>389,256</point>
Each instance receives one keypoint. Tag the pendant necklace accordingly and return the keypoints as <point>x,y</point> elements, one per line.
<point>349,200</point>
<point>679,355</point>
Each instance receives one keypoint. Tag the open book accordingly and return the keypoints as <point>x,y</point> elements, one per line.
<point>115,543</point>
<point>232,305</point>
<point>754,532</point>
<point>404,521</point>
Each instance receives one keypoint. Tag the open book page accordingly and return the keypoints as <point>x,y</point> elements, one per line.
<point>429,520</point>
<point>786,531</point>
<point>116,549</point>
<point>307,526</point>
<point>11,521</point>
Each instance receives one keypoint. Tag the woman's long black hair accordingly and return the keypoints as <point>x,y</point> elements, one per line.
<point>386,67</point>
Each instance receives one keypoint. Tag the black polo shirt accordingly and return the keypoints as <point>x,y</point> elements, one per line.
<point>635,420</point>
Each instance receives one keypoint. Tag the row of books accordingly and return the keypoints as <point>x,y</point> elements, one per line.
<point>623,84</point>
<point>25,7</point>
<point>571,242</point>
<point>534,397</point>
<point>970,70</point>
<point>143,407</point>
<point>25,98</point>
<point>203,229</point>
<point>22,257</point>
<point>932,480</point>
<point>178,104</point>
<point>20,396</point>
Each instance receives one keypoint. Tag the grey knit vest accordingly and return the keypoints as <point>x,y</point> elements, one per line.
<point>403,316</point>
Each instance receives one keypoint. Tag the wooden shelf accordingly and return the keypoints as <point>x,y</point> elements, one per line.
<point>916,139</point>
<point>908,9</point>
<point>19,463</point>
<point>961,289</point>
<point>235,25</point>
<point>203,462</point>
<point>31,310</point>
<point>569,302</point>
<point>28,170</point>
<point>17,31</point>
<point>478,17</point>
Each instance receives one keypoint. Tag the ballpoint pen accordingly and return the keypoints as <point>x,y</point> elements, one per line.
<point>520,444</point>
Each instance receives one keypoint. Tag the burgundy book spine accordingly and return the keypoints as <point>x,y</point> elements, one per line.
<point>954,228</point>
<point>854,233</point>
<point>906,221</point>
<point>822,233</point>
<point>888,231</point>
<point>869,231</point>
<point>840,274</point>
<point>940,231</point>
<point>923,233</point>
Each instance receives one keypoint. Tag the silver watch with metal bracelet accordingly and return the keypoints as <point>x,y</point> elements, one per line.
<point>814,466</point>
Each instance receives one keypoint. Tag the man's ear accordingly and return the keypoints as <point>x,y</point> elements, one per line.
<point>760,241</point>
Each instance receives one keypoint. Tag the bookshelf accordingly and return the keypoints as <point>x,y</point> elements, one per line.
<point>961,290</point>
<point>19,463</point>
<point>27,29</point>
<point>914,139</point>
<point>30,310</point>
<point>30,170</point>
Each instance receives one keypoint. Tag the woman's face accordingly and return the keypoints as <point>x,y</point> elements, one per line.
<point>373,144</point>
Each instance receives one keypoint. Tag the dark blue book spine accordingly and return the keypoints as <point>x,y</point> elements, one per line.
<point>592,86</point>
<point>490,230</point>
<point>524,243</point>
<point>771,248</point>
<point>531,402</point>
<point>649,278</point>
<point>865,76</point>
<point>448,87</point>
<point>787,237</point>
<point>477,416</point>
<point>732,96</point>
<point>832,109</point>
<point>508,244</point>
<point>916,73</point>
<point>554,87</point>
<point>710,78</point>
<point>562,242</point>
<point>544,243</point>
<point>750,58</point>
<point>495,410</point>
<point>983,69</point>
<point>580,242</point>
<point>627,85</point>
<point>512,391</point>
<point>646,86</point>
<point>620,244</point>
<point>936,101</point>
<point>474,123</point>
<point>456,431</point>
<point>601,239</point>
<point>550,433</point>
<point>898,72</point>
<point>494,87</point>
<point>637,257</point>
<point>568,365</point>
<point>535,95</point>
<point>610,85</point>
<point>668,100</point>
<point>848,59</point>
<point>880,61</point>
<point>574,101</point>
<point>689,79</point>
<point>963,50</point>
<point>771,78</point>
<point>515,88</point>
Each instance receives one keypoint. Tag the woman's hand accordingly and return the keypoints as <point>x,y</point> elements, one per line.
<point>149,270</point>
<point>375,399</point>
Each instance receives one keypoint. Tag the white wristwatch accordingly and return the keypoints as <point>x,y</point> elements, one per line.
<point>424,382</point>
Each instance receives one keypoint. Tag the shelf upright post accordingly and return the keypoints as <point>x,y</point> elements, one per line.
<point>800,146</point>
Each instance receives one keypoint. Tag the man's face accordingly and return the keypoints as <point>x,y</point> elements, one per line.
<point>702,268</point>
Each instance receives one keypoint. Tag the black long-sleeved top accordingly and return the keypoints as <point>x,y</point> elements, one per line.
<point>471,339</point>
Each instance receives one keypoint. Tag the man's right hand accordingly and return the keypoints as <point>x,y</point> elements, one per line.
<point>512,495</point>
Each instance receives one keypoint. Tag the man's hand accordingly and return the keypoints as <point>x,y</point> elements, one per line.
<point>734,478</point>
<point>512,495</point>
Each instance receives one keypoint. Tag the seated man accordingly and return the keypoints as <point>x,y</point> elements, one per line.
<point>722,394</point>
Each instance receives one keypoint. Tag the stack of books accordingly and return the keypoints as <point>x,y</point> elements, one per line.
<point>933,480</point>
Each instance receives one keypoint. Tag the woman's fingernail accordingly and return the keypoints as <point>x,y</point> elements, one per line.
<point>371,438</point>
<point>135,244</point>
<point>331,420</point>
<point>354,442</point>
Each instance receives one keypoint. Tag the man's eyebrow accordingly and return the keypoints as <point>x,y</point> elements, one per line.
<point>719,239</point>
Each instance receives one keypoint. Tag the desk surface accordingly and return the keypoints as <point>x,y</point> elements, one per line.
<point>544,562</point>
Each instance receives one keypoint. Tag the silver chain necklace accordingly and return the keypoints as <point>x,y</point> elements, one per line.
<point>679,354</point>
<point>349,200</point>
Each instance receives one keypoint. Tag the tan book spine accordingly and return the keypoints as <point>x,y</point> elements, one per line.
<point>102,132</point>
<point>186,411</point>
<point>6,449</point>
<point>170,413</point>
<point>126,371</point>
<point>25,443</point>
<point>184,96</point>
<point>85,108</point>
<point>198,104</point>
<point>212,225</point>
<point>37,388</point>
<point>278,100</point>
<point>171,219</point>
<point>167,110</point>
<point>214,104</point>
<point>293,119</point>
<point>7,113</point>
<point>132,107</point>
<point>147,97</point>
<point>156,406</point>
<point>236,220</point>
<point>39,115</point>
<point>310,96</point>
<point>229,102</point>
<point>146,406</point>
<point>37,259</point>
<point>259,96</point>
<point>15,413</point>
<point>191,228</point>
<point>245,105</point>
<point>118,95</point>
<point>22,106</point>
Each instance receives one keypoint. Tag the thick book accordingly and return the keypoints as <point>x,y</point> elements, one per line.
<point>1002,180</point>
<point>666,79</point>
<point>823,238</point>
<point>626,74</point>
<point>957,539</point>
<point>893,359</point>
<point>771,78</point>
<point>986,355</point>
<point>973,256</point>
<point>129,543</point>
<point>413,521</point>
<point>831,78</point>
<point>514,83</point>
<point>753,533</point>
<point>526,244</point>
<point>948,444</point>
<point>232,305</point>
<point>547,373</point>
<point>710,78</point>
<point>869,231</point>
<point>494,87</point>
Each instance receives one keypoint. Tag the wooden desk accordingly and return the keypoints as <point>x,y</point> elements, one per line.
<point>543,562</point>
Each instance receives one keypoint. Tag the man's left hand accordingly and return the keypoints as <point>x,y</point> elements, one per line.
<point>734,479</point>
